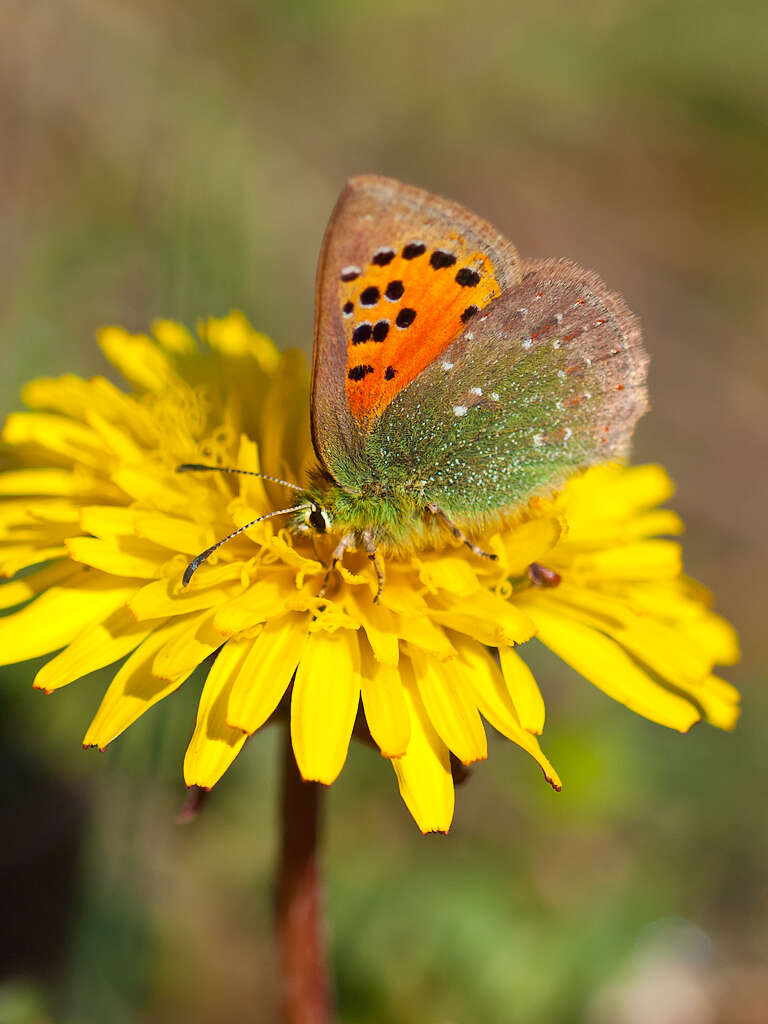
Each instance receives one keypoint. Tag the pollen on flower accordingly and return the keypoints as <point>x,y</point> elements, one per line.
<point>96,529</point>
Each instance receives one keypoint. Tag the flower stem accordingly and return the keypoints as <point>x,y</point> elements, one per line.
<point>304,989</point>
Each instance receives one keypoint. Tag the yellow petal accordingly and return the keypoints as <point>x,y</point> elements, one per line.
<point>137,357</point>
<point>152,485</point>
<point>115,438</point>
<point>424,771</point>
<point>30,586</point>
<point>57,434</point>
<point>264,600</point>
<point>284,417</point>
<point>603,662</point>
<point>523,689</point>
<point>163,598</point>
<point>326,694</point>
<point>613,492</point>
<point>183,652</point>
<point>386,711</point>
<point>643,560</point>
<point>174,337</point>
<point>78,398</point>
<point>29,513</point>
<point>99,644</point>
<point>487,617</point>
<point>253,489</point>
<point>449,702</point>
<point>715,635</point>
<point>447,572</point>
<point>719,700</point>
<point>233,336</point>
<point>67,394</point>
<point>399,594</point>
<point>215,744</point>
<point>107,520</point>
<point>135,689</point>
<point>420,631</point>
<point>63,482</point>
<point>267,672</point>
<point>492,697</point>
<point>126,556</point>
<point>15,557</point>
<point>380,627</point>
<point>57,616</point>
<point>172,532</point>
<point>653,641</point>
<point>529,542</point>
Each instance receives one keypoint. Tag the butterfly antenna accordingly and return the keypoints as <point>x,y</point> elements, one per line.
<point>197,467</point>
<point>196,562</point>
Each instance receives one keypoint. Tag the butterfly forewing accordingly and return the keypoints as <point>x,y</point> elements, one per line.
<point>548,379</point>
<point>402,274</point>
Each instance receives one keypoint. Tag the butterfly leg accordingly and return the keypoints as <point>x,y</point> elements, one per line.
<point>459,534</point>
<point>347,541</point>
<point>370,547</point>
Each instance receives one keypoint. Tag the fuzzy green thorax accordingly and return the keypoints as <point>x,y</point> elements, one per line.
<point>392,517</point>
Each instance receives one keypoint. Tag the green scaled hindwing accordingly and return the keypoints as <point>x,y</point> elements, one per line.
<point>548,380</point>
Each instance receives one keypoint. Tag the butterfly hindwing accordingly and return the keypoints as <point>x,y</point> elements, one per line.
<point>402,274</point>
<point>548,380</point>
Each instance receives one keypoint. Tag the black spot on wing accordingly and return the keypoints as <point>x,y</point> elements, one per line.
<point>358,372</point>
<point>405,318</point>
<point>467,277</point>
<point>380,330</point>
<point>413,249</point>
<point>362,333</point>
<point>439,260</point>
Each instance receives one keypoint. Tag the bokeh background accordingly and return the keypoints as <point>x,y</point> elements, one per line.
<point>160,158</point>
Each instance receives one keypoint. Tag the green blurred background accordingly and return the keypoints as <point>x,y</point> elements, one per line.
<point>181,159</point>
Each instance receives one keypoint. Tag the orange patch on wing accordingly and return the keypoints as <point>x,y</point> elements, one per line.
<point>402,309</point>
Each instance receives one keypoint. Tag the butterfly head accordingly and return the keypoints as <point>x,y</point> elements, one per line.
<point>317,518</point>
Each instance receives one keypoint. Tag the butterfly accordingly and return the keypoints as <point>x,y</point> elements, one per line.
<point>452,381</point>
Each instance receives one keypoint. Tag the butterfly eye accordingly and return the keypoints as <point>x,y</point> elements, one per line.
<point>319,519</point>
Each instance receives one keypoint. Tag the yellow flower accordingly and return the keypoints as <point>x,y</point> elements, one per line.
<point>92,500</point>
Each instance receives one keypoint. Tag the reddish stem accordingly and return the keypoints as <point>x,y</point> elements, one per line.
<point>301,941</point>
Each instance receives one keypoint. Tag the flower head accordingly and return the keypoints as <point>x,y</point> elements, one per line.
<point>92,500</point>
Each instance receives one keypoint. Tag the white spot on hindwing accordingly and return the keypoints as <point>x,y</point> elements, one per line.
<point>494,396</point>
<point>528,343</point>
<point>476,391</point>
<point>538,440</point>
<point>447,366</point>
<point>459,410</point>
